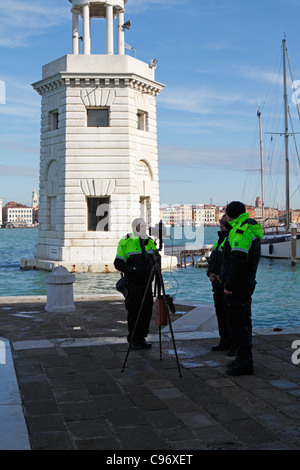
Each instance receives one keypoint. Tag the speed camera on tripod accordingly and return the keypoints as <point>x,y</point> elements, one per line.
<point>159,232</point>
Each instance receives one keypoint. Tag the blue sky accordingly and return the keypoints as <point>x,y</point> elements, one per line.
<point>218,60</point>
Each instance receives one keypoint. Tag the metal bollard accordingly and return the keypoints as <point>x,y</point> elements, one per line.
<point>293,244</point>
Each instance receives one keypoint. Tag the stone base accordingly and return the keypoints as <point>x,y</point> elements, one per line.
<point>84,266</point>
<point>72,266</point>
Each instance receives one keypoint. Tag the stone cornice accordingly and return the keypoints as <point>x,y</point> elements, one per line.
<point>97,80</point>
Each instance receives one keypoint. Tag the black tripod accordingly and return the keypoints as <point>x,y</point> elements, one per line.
<point>161,294</point>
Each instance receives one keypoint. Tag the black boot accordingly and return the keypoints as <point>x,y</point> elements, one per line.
<point>236,370</point>
<point>135,345</point>
<point>144,344</point>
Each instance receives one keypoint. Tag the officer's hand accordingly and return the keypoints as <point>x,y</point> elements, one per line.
<point>227,292</point>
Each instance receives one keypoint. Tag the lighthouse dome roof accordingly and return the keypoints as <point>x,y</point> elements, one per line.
<point>98,7</point>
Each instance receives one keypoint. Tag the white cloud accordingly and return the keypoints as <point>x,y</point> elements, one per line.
<point>205,126</point>
<point>217,45</point>
<point>175,181</point>
<point>20,20</point>
<point>139,6</point>
<point>260,74</point>
<point>19,147</point>
<point>9,170</point>
<point>21,99</point>
<point>202,100</point>
<point>230,158</point>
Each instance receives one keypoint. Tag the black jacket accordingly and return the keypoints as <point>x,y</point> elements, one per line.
<point>216,262</point>
<point>138,266</point>
<point>240,267</point>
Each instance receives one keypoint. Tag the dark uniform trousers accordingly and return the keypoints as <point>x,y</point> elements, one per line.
<point>239,324</point>
<point>219,303</point>
<point>138,321</point>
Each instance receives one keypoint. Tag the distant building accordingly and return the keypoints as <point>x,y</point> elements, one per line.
<point>170,215</point>
<point>209,214</point>
<point>220,211</point>
<point>271,216</point>
<point>35,202</point>
<point>35,215</point>
<point>0,212</point>
<point>35,207</point>
<point>189,214</point>
<point>266,215</point>
<point>199,215</point>
<point>186,214</point>
<point>258,202</point>
<point>251,211</point>
<point>295,216</point>
<point>16,215</point>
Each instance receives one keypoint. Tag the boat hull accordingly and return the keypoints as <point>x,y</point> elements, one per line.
<point>279,246</point>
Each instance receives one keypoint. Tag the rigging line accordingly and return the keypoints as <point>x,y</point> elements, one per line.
<point>297,104</point>
<point>270,159</point>
<point>272,121</point>
<point>271,82</point>
<point>293,133</point>
<point>275,175</point>
<point>170,271</point>
<point>295,191</point>
<point>275,127</point>
<point>250,159</point>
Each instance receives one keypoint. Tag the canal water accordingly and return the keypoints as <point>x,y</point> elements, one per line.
<point>276,300</point>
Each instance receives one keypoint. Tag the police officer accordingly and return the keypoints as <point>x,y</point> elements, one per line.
<point>241,257</point>
<point>215,272</point>
<point>135,258</point>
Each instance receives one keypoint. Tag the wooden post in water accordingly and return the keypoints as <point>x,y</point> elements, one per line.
<point>293,244</point>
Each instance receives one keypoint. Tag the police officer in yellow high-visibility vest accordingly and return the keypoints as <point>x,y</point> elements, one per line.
<point>214,272</point>
<point>135,258</point>
<point>241,257</point>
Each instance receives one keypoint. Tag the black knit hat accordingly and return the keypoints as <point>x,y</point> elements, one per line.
<point>235,208</point>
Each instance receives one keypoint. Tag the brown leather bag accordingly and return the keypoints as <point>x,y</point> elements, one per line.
<point>161,312</point>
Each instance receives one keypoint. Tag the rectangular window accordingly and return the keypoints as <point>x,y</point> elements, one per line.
<point>53,120</point>
<point>52,204</point>
<point>142,120</point>
<point>145,209</point>
<point>98,117</point>
<point>98,214</point>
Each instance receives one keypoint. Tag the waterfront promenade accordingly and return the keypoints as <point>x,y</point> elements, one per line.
<point>70,391</point>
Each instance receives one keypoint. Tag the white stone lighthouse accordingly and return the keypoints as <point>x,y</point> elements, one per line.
<point>98,162</point>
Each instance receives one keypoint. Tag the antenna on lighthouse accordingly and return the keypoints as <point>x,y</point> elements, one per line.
<point>127,46</point>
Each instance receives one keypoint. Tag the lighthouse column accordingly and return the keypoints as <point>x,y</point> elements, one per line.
<point>86,29</point>
<point>121,43</point>
<point>109,30</point>
<point>75,30</point>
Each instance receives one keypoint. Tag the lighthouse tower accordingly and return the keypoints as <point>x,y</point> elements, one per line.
<point>98,161</point>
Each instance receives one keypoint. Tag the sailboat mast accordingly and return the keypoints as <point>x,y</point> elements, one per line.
<point>286,136</point>
<point>261,164</point>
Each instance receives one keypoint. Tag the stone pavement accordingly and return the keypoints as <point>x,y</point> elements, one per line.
<point>76,396</point>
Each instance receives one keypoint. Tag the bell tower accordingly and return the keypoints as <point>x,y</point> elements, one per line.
<point>98,159</point>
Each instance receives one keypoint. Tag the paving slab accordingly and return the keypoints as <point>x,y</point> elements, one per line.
<point>13,430</point>
<point>69,391</point>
